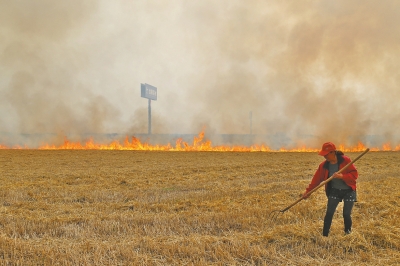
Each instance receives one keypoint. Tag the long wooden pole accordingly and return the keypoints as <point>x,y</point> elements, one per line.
<point>324,182</point>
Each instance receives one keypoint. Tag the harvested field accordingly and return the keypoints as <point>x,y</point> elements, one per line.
<point>188,208</point>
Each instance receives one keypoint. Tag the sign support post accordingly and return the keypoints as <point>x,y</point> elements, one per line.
<point>149,118</point>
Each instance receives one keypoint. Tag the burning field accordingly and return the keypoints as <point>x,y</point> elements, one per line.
<point>277,77</point>
<point>99,207</point>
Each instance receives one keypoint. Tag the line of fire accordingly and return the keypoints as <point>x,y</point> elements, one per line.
<point>194,142</point>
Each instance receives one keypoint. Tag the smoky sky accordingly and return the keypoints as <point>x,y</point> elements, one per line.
<point>311,71</point>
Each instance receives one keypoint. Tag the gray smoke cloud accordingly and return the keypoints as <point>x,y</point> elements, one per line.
<point>307,71</point>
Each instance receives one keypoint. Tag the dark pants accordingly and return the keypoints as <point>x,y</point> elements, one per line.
<point>330,211</point>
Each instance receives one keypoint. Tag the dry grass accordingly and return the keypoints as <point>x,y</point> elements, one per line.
<point>188,208</point>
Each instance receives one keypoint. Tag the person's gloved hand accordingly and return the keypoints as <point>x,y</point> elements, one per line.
<point>336,175</point>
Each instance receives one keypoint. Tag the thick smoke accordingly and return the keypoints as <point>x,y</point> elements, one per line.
<point>307,71</point>
<point>322,70</point>
<point>44,93</point>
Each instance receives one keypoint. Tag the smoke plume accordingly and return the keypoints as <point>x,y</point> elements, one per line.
<point>301,72</point>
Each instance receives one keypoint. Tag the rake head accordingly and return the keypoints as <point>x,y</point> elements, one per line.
<point>273,216</point>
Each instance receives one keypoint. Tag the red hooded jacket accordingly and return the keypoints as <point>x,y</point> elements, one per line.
<point>350,175</point>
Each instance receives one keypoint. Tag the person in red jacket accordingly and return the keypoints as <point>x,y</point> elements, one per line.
<point>341,188</point>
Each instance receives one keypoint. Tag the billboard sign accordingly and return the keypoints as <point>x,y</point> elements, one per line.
<point>148,91</point>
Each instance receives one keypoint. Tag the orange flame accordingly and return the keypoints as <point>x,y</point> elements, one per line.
<point>199,144</point>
